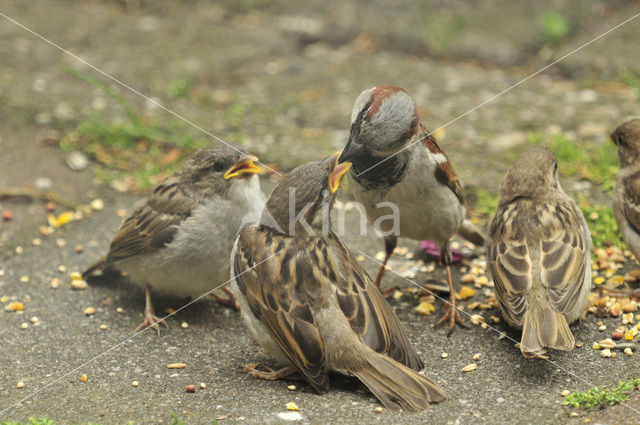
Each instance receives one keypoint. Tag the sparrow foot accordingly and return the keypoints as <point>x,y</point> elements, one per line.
<point>151,320</point>
<point>230,301</point>
<point>288,372</point>
<point>452,315</point>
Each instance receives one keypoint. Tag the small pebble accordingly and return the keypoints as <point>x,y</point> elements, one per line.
<point>50,206</point>
<point>184,325</point>
<point>135,383</point>
<point>378,409</point>
<point>20,385</point>
<point>89,311</point>
<point>7,215</point>
<point>191,388</point>
<point>203,385</point>
<point>78,249</point>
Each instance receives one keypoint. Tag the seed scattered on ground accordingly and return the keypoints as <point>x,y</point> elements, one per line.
<point>19,250</point>
<point>20,385</point>
<point>63,269</point>
<point>89,311</point>
<point>55,283</point>
<point>607,343</point>
<point>24,325</point>
<point>425,308</point>
<point>617,334</point>
<point>203,385</point>
<point>191,388</point>
<point>103,327</point>
<point>79,284</point>
<point>466,292</point>
<point>476,357</point>
<point>602,328</point>
<point>78,249</point>
<point>61,243</point>
<point>565,393</point>
<point>574,414</point>
<point>35,320</point>
<point>484,325</point>
<point>14,306</point>
<point>50,206</point>
<point>135,383</point>
<point>291,387</point>
<point>444,355</point>
<point>470,367</point>
<point>378,409</point>
<point>97,204</point>
<point>292,406</point>
<point>7,215</point>
<point>83,378</point>
<point>605,353</point>
<point>628,351</point>
<point>468,278</point>
<point>184,325</point>
<point>120,310</point>
<point>176,366</point>
<point>476,319</point>
<point>24,279</point>
<point>36,242</point>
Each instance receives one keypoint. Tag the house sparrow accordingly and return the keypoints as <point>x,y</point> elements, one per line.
<point>310,304</point>
<point>177,241</point>
<point>626,195</point>
<point>396,162</point>
<point>539,254</point>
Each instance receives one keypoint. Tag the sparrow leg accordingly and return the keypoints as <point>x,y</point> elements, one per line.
<point>390,243</point>
<point>452,313</point>
<point>230,301</point>
<point>150,318</point>
<point>287,372</point>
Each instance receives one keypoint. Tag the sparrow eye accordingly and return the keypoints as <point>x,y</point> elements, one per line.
<point>555,166</point>
<point>217,166</point>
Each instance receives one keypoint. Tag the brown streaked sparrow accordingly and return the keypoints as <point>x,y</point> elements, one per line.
<point>396,161</point>
<point>539,254</point>
<point>626,195</point>
<point>310,304</point>
<point>177,241</point>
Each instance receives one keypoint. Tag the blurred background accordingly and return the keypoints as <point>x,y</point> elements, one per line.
<point>280,77</point>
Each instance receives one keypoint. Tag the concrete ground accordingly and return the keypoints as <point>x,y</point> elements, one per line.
<point>297,73</point>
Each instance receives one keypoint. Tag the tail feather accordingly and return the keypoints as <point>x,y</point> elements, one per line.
<point>92,269</point>
<point>544,328</point>
<point>397,386</point>
<point>472,233</point>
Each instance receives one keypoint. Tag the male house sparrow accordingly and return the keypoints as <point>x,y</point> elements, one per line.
<point>626,195</point>
<point>396,161</point>
<point>310,304</point>
<point>177,241</point>
<point>539,254</point>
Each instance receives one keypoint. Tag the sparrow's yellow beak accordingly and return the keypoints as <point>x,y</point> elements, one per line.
<point>336,175</point>
<point>244,166</point>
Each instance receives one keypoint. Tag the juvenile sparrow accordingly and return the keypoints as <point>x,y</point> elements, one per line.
<point>396,161</point>
<point>309,303</point>
<point>539,254</point>
<point>177,241</point>
<point>626,195</point>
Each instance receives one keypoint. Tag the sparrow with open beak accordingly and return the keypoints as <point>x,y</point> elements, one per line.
<point>310,304</point>
<point>626,195</point>
<point>539,254</point>
<point>177,241</point>
<point>395,160</point>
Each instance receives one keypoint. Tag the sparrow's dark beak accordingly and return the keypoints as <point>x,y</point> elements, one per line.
<point>353,148</point>
<point>337,174</point>
<point>245,165</point>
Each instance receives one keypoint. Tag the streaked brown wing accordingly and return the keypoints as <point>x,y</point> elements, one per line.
<point>631,187</point>
<point>369,314</point>
<point>445,173</point>
<point>563,254</point>
<point>510,265</point>
<point>153,222</point>
<point>276,290</point>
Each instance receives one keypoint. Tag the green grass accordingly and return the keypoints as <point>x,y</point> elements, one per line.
<point>595,162</point>
<point>631,80</point>
<point>140,151</point>
<point>486,204</point>
<point>598,397</point>
<point>602,224</point>
<point>554,27</point>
